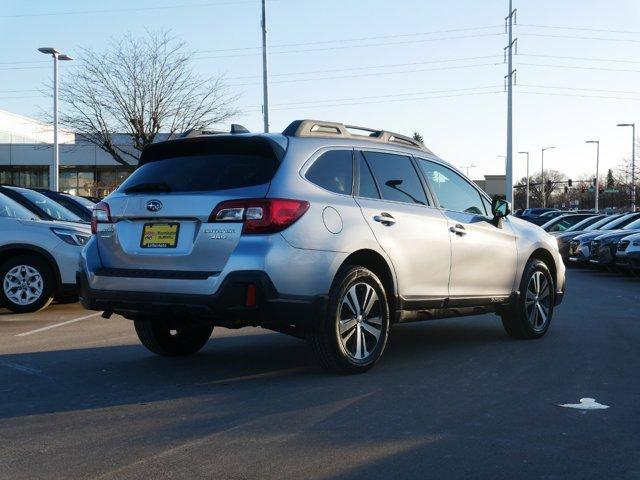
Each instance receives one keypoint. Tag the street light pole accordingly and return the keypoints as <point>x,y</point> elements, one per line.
<point>633,163</point>
<point>468,167</point>
<point>527,153</point>
<point>544,200</point>
<point>54,172</point>
<point>597,142</point>
<point>265,69</point>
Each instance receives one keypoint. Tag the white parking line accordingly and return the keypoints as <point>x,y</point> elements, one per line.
<point>56,325</point>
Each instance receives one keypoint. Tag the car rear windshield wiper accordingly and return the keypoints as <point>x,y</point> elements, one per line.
<point>149,187</point>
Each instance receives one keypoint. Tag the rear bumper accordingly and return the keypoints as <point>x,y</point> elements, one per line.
<point>227,307</point>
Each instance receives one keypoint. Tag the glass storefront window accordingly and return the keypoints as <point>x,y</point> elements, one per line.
<point>86,183</point>
<point>68,181</point>
<point>30,177</point>
<point>98,182</point>
<point>5,176</point>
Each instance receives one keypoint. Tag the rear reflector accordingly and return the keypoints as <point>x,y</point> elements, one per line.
<point>260,215</point>
<point>250,299</point>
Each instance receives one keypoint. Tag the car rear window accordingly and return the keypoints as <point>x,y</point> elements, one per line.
<point>203,165</point>
<point>203,173</point>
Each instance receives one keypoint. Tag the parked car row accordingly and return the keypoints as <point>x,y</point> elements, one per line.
<point>605,241</point>
<point>41,235</point>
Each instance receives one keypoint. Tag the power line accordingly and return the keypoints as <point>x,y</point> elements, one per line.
<point>585,29</point>
<point>359,75</point>
<point>338,47</point>
<point>345,47</point>
<point>24,96</point>
<point>577,67</point>
<point>582,89</point>
<point>631,99</point>
<point>356,39</point>
<point>390,100</point>
<point>24,62</point>
<point>589,59</point>
<point>132,9</point>
<point>576,37</point>
<point>393,95</point>
<point>23,90</point>
<point>369,67</point>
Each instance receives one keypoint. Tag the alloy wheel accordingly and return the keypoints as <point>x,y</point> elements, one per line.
<point>537,301</point>
<point>360,321</point>
<point>23,285</point>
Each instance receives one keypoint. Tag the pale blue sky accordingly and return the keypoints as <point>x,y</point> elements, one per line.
<point>432,66</point>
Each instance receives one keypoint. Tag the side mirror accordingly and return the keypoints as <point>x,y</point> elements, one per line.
<point>500,208</point>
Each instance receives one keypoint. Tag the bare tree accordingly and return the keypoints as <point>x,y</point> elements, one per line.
<point>536,186</point>
<point>140,87</point>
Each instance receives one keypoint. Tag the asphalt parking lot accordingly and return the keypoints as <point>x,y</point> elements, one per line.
<point>450,399</point>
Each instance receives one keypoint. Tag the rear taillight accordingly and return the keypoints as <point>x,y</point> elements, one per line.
<point>260,215</point>
<point>100,214</point>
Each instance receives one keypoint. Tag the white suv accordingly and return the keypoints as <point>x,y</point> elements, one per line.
<point>38,258</point>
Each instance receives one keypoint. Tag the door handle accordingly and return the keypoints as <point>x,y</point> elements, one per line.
<point>458,230</point>
<point>385,219</point>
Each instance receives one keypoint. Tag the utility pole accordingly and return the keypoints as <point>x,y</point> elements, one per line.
<point>527,154</point>
<point>544,199</point>
<point>265,69</point>
<point>509,79</point>
<point>633,163</point>
<point>597,185</point>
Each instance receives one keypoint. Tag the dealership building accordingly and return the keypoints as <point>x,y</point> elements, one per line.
<point>26,157</point>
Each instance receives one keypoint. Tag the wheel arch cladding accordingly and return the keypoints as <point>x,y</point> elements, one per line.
<point>546,257</point>
<point>375,262</point>
<point>7,252</point>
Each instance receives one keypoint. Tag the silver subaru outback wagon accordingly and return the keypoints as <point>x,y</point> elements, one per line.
<point>325,232</point>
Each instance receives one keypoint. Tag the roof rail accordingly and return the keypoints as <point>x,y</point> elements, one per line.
<point>317,128</point>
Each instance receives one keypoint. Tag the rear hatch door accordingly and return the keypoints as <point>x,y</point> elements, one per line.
<point>160,214</point>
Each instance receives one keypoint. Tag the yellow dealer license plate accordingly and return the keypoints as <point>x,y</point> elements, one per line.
<point>160,235</point>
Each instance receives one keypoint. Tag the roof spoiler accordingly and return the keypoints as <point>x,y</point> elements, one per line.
<point>317,128</point>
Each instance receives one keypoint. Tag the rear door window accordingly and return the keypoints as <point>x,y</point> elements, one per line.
<point>396,177</point>
<point>333,171</point>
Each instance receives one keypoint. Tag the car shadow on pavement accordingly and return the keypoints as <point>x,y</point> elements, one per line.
<point>101,377</point>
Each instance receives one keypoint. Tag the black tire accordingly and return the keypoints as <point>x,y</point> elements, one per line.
<point>43,283</point>
<point>349,353</point>
<point>518,321</point>
<point>173,338</point>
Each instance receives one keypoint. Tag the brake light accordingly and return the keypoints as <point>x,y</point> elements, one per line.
<point>260,215</point>
<point>100,214</point>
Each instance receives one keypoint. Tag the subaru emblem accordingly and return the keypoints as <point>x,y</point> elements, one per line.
<point>154,205</point>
